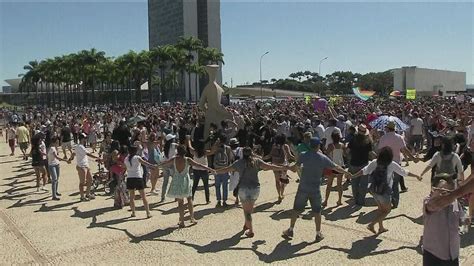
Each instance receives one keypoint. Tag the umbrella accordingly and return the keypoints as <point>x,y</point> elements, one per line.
<point>382,121</point>
<point>136,119</point>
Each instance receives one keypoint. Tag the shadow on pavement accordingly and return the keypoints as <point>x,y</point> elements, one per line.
<point>91,213</point>
<point>467,239</point>
<point>21,203</point>
<point>56,207</point>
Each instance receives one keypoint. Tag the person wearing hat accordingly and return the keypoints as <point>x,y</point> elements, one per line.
<point>360,151</point>
<point>397,144</point>
<point>169,152</point>
<point>309,188</point>
<point>416,133</point>
<point>23,139</point>
<point>82,167</point>
<point>332,127</point>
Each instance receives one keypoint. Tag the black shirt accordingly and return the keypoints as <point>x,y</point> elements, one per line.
<point>122,135</point>
<point>66,134</point>
<point>359,152</point>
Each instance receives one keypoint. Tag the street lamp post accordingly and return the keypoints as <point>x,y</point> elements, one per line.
<point>320,62</point>
<point>261,85</point>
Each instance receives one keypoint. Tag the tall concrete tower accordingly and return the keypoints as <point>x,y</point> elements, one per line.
<point>170,19</point>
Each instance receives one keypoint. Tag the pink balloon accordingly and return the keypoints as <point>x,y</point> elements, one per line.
<point>320,105</point>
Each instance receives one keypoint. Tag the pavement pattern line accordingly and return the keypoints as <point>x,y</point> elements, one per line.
<point>127,238</point>
<point>37,257</point>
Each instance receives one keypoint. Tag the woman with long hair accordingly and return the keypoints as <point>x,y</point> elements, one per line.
<point>38,156</point>
<point>335,151</point>
<point>153,146</point>
<point>380,173</point>
<point>82,167</point>
<point>169,152</point>
<point>181,185</point>
<point>249,185</point>
<point>200,156</point>
<point>280,155</point>
<point>135,180</point>
<point>53,165</point>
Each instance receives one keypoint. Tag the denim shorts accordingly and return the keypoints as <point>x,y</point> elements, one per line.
<point>302,198</point>
<point>248,194</point>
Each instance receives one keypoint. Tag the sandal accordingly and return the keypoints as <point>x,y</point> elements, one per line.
<point>250,234</point>
<point>181,225</point>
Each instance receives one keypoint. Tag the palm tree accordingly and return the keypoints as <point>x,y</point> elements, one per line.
<point>191,45</point>
<point>32,76</point>
<point>161,57</point>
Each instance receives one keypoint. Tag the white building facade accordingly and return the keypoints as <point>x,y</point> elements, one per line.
<point>429,82</point>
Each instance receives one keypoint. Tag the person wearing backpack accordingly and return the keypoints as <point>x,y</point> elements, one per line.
<point>445,163</point>
<point>222,159</point>
<point>235,176</point>
<point>280,154</point>
<point>153,146</point>
<point>381,181</point>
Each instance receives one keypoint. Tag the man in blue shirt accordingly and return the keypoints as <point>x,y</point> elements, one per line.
<point>313,163</point>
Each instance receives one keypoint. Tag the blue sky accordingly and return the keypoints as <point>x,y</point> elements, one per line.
<point>357,36</point>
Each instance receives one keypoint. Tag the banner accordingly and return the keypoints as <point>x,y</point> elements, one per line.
<point>363,95</point>
<point>307,99</point>
<point>411,94</point>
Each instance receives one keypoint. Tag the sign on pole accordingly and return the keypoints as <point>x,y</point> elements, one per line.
<point>411,94</point>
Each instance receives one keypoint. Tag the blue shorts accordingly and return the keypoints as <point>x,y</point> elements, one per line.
<point>302,198</point>
<point>248,194</point>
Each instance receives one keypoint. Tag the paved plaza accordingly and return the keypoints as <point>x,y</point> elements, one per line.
<point>35,229</point>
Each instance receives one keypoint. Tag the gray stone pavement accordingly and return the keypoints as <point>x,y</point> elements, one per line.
<point>35,229</point>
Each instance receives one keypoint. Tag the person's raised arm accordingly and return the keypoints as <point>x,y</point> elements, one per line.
<point>406,152</point>
<point>266,166</point>
<point>224,170</point>
<point>140,159</point>
<point>166,163</point>
<point>196,164</point>
<point>341,170</point>
<point>439,202</point>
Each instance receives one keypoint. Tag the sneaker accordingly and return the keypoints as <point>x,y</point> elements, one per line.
<point>56,198</point>
<point>224,204</point>
<point>84,199</point>
<point>288,234</point>
<point>91,196</point>
<point>319,237</point>
<point>58,194</point>
<point>218,205</point>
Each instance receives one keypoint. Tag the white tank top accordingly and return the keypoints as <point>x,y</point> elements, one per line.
<point>337,156</point>
<point>202,160</point>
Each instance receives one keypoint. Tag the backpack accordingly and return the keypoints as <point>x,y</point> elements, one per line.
<point>221,159</point>
<point>379,183</point>
<point>446,166</point>
<point>237,153</point>
<point>158,156</point>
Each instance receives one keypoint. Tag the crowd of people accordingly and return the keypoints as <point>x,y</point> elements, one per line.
<point>142,144</point>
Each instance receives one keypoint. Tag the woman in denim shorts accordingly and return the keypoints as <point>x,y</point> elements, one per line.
<point>249,186</point>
